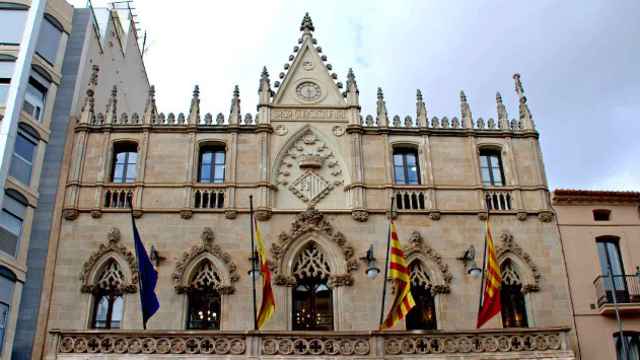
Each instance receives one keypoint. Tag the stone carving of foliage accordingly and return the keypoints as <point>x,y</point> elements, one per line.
<point>207,246</point>
<point>310,221</point>
<point>311,263</point>
<point>112,246</point>
<point>416,246</point>
<point>309,168</point>
<point>509,246</point>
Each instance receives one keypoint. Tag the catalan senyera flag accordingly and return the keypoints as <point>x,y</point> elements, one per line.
<point>399,273</point>
<point>268,304</point>
<point>490,301</point>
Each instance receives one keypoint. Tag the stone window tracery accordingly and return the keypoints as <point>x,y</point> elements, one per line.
<point>423,315</point>
<point>311,263</point>
<point>312,295</point>
<point>204,300</point>
<point>514,310</point>
<point>108,303</point>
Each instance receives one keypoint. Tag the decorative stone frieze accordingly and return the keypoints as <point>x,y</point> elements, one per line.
<point>316,346</point>
<point>114,249</point>
<point>198,253</point>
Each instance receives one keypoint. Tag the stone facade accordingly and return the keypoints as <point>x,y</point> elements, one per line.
<point>319,170</point>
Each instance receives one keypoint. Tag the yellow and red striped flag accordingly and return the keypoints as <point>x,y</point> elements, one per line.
<point>490,301</point>
<point>399,273</point>
<point>268,305</point>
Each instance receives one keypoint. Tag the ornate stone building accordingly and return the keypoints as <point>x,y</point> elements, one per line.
<point>322,174</point>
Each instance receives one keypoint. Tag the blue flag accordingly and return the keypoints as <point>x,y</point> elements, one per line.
<point>148,277</point>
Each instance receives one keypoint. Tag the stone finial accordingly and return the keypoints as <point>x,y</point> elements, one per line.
<point>503,117</point>
<point>381,110</point>
<point>352,92</point>
<point>307,24</point>
<point>150,110</point>
<point>421,110</point>
<point>88,108</point>
<point>235,115</point>
<point>264,90</point>
<point>465,111</point>
<point>526,119</point>
<point>194,110</point>
<point>112,107</point>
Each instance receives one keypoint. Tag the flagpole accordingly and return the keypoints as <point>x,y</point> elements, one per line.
<point>386,266</point>
<point>484,263</point>
<point>144,324</point>
<point>253,259</point>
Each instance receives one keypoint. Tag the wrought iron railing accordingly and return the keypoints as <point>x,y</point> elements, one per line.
<point>625,288</point>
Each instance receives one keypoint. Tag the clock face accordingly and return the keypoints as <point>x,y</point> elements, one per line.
<point>308,91</point>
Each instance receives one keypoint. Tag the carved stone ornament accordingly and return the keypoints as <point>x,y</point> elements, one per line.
<point>545,216</point>
<point>96,214</point>
<point>224,283</point>
<point>308,168</point>
<point>281,130</point>
<point>186,214</point>
<point>522,216</point>
<point>418,249</point>
<point>310,221</point>
<point>510,247</point>
<point>360,215</point>
<point>263,214</point>
<point>70,214</point>
<point>113,246</point>
<point>435,215</point>
<point>231,214</point>
<point>338,130</point>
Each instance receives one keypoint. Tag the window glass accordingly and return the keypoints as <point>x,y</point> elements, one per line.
<point>117,312</point>
<point>4,318</point>
<point>633,346</point>
<point>609,255</point>
<point>48,41</point>
<point>12,26</point>
<point>491,167</point>
<point>6,295</point>
<point>125,159</point>
<point>102,309</point>
<point>22,160</point>
<point>204,309</point>
<point>405,166</point>
<point>212,163</point>
<point>11,225</point>
<point>34,99</point>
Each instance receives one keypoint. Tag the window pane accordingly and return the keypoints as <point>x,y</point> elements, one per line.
<point>205,173</point>
<point>413,175</point>
<point>132,173</point>
<point>411,159</point>
<point>397,159</point>
<point>101,310</point>
<point>121,157</point>
<point>12,25</point>
<point>24,147</point>
<point>116,313</point>
<point>118,173</point>
<point>20,169</point>
<point>6,290</point>
<point>486,178</point>
<point>207,157</point>
<point>4,90</point>
<point>132,157</point>
<point>484,161</point>
<point>219,173</point>
<point>399,175</point>
<point>34,100</point>
<point>48,41</point>
<point>4,317</point>
<point>219,157</point>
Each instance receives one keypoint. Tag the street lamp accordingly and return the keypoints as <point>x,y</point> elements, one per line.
<point>372,270</point>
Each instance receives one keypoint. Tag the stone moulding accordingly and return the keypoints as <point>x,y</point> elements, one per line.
<point>510,247</point>
<point>417,248</point>
<point>112,246</point>
<point>547,343</point>
<point>207,247</point>
<point>309,221</point>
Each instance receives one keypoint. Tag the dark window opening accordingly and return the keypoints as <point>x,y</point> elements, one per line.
<point>312,305</point>
<point>204,309</point>
<point>632,341</point>
<point>514,309</point>
<point>601,214</point>
<point>423,314</point>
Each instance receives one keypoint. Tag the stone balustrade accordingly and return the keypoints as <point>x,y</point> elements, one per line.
<point>498,200</point>
<point>547,343</point>
<point>209,197</point>
<point>407,199</point>
<point>115,196</point>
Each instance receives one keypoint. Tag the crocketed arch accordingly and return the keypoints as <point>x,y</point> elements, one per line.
<point>220,270</point>
<point>520,261</point>
<point>310,228</point>
<point>113,266</point>
<point>430,262</point>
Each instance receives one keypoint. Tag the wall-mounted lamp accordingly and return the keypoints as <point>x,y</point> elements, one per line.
<point>154,256</point>
<point>255,264</point>
<point>469,259</point>
<point>372,270</point>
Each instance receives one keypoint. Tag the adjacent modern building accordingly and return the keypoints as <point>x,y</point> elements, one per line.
<point>322,173</point>
<point>601,240</point>
<point>72,46</point>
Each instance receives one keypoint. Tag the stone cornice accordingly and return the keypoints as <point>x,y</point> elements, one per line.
<point>586,197</point>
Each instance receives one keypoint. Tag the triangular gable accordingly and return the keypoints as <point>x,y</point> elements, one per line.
<point>307,81</point>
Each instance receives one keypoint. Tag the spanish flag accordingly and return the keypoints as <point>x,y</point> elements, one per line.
<point>490,300</point>
<point>268,305</point>
<point>399,273</point>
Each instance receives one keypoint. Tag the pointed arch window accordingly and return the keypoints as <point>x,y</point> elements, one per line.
<point>312,295</point>
<point>212,163</point>
<point>108,305</point>
<point>204,300</point>
<point>423,315</point>
<point>514,310</point>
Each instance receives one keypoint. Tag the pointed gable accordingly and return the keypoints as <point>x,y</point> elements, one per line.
<point>307,81</point>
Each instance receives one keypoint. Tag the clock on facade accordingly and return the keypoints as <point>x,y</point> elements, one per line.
<point>308,91</point>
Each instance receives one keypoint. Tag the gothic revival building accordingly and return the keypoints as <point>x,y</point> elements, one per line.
<point>323,175</point>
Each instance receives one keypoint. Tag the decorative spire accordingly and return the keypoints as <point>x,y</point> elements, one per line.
<point>88,108</point>
<point>234,117</point>
<point>264,90</point>
<point>150,110</point>
<point>112,106</point>
<point>421,110</point>
<point>503,117</point>
<point>352,93</point>
<point>194,110</point>
<point>526,119</point>
<point>307,24</point>
<point>381,110</point>
<point>465,111</point>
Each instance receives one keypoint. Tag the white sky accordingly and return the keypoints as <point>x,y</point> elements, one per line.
<point>579,62</point>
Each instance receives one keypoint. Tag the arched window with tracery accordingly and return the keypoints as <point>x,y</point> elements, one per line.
<point>312,296</point>
<point>514,310</point>
<point>204,300</point>
<point>423,315</point>
<point>108,305</point>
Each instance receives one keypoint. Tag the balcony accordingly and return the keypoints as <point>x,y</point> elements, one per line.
<point>547,343</point>
<point>626,292</point>
<point>498,200</point>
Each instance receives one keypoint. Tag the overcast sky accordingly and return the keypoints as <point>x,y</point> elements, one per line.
<point>579,60</point>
